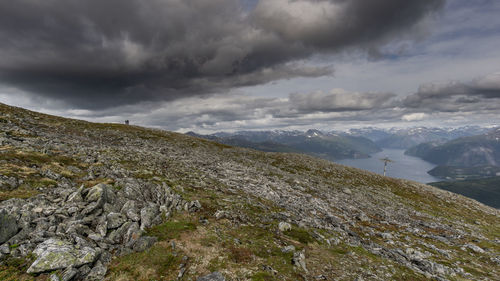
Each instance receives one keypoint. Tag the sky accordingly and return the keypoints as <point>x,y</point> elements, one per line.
<point>227,65</point>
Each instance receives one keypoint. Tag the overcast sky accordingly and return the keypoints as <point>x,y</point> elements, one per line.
<point>225,65</point>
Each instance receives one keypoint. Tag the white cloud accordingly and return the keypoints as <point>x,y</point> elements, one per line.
<point>414,117</point>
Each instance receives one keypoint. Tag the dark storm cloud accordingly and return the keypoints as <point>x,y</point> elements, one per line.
<point>99,54</point>
<point>481,94</point>
<point>339,100</point>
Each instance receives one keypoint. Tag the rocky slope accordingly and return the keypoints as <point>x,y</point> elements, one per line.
<point>86,201</point>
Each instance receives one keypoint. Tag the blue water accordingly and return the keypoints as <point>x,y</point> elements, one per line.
<point>403,167</point>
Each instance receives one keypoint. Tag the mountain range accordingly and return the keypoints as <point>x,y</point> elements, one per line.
<point>404,138</point>
<point>466,151</point>
<point>332,146</point>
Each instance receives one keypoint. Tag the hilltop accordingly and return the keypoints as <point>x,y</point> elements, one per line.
<point>91,201</point>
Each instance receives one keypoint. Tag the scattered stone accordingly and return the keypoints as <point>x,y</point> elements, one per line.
<point>269,269</point>
<point>203,220</point>
<point>299,260</point>
<point>5,249</point>
<point>475,248</point>
<point>415,255</point>
<point>386,235</point>
<point>288,249</point>
<point>181,273</point>
<point>214,276</point>
<point>193,206</point>
<point>8,226</point>
<point>284,226</point>
<point>219,214</point>
<point>363,217</point>
<point>333,241</point>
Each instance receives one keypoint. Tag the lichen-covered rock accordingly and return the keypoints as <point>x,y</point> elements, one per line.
<point>144,243</point>
<point>69,273</point>
<point>54,277</point>
<point>133,233</point>
<point>97,193</point>
<point>97,273</point>
<point>284,226</point>
<point>115,220</point>
<point>148,214</point>
<point>8,226</point>
<point>56,254</point>
<point>117,236</point>
<point>131,211</point>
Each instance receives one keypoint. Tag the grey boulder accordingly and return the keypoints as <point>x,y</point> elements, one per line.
<point>8,226</point>
<point>54,254</point>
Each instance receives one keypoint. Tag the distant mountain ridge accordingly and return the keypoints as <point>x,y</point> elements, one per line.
<point>466,151</point>
<point>329,145</point>
<point>404,138</point>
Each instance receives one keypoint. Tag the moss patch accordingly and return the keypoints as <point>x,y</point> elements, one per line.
<point>156,263</point>
<point>171,229</point>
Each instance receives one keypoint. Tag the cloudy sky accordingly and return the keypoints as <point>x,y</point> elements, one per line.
<point>224,65</point>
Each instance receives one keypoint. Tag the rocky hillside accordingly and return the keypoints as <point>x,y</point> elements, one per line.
<point>87,201</point>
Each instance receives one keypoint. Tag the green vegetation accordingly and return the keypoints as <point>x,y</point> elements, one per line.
<point>170,229</point>
<point>485,190</point>
<point>156,263</point>
<point>464,173</point>
<point>300,234</point>
<point>262,276</point>
<point>13,269</point>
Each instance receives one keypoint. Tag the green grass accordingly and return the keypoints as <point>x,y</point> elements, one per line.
<point>262,276</point>
<point>13,269</point>
<point>485,190</point>
<point>300,234</point>
<point>171,229</point>
<point>156,263</point>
